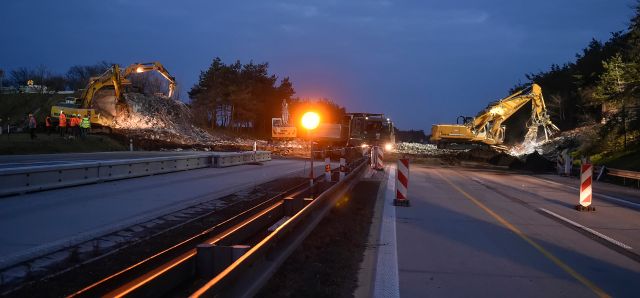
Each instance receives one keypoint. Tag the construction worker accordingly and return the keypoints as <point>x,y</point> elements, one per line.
<point>73,125</point>
<point>47,124</point>
<point>85,126</point>
<point>62,124</point>
<point>32,126</point>
<point>76,129</point>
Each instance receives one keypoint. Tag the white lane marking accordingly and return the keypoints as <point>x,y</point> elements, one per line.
<point>387,280</point>
<point>594,232</point>
<point>608,197</point>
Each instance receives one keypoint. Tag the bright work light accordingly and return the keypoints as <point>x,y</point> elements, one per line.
<point>310,120</point>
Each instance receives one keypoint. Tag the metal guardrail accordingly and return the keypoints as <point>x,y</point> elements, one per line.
<point>37,178</point>
<point>624,174</point>
<point>221,257</point>
<point>246,276</point>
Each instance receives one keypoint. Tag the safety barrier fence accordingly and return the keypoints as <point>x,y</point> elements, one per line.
<point>37,178</point>
<point>232,268</point>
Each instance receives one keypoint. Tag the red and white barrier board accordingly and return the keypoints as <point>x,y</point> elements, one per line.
<point>343,168</point>
<point>586,181</point>
<point>327,169</point>
<point>586,178</point>
<point>377,158</point>
<point>402,183</point>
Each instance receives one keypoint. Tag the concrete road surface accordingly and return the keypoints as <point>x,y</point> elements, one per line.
<point>37,221</point>
<point>483,233</point>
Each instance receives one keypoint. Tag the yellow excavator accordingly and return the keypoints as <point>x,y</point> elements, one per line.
<point>486,128</point>
<point>112,78</point>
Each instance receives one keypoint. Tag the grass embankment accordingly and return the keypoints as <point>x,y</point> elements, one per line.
<point>625,160</point>
<point>15,107</point>
<point>22,144</point>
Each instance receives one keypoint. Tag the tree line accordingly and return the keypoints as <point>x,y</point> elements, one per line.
<point>75,78</point>
<point>245,96</point>
<point>601,86</point>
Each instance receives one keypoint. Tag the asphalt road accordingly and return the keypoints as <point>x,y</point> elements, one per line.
<point>17,161</point>
<point>37,221</point>
<point>482,233</point>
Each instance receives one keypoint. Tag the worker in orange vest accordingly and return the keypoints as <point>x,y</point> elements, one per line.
<point>62,124</point>
<point>72,125</point>
<point>47,124</point>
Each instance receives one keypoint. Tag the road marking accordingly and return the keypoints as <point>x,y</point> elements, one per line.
<point>608,197</point>
<point>594,232</point>
<point>386,279</point>
<point>524,237</point>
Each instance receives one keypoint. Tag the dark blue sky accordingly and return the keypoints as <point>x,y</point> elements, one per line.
<point>420,62</point>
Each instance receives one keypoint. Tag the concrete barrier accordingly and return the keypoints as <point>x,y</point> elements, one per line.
<point>37,178</point>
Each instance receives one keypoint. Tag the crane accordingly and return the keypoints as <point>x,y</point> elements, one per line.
<point>486,127</point>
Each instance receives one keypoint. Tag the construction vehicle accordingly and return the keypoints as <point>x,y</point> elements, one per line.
<point>101,114</point>
<point>487,127</point>
<point>368,129</point>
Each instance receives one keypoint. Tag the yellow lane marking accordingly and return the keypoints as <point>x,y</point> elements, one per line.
<point>524,237</point>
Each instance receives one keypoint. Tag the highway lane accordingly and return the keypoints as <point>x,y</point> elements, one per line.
<point>38,221</point>
<point>17,161</point>
<point>472,232</point>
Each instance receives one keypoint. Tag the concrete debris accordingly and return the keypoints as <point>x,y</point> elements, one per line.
<point>164,120</point>
<point>422,149</point>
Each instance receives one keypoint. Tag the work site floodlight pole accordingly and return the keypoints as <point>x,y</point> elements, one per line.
<point>310,121</point>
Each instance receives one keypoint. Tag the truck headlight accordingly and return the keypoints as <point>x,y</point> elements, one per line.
<point>388,147</point>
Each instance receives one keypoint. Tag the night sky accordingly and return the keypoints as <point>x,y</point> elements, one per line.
<point>420,62</point>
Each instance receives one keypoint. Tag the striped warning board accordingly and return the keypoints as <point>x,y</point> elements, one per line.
<point>327,169</point>
<point>377,158</point>
<point>586,180</point>
<point>402,183</point>
<point>343,168</point>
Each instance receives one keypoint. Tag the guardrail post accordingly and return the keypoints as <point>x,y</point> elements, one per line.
<point>238,251</point>
<point>211,259</point>
<point>292,206</point>
<point>204,260</point>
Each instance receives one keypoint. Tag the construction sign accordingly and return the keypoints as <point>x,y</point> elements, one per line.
<point>281,130</point>
<point>586,181</point>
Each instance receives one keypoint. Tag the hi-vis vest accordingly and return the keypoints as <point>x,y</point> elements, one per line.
<point>85,123</point>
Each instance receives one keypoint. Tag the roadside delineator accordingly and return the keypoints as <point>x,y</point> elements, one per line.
<point>586,181</point>
<point>402,183</point>
<point>327,169</point>
<point>343,168</point>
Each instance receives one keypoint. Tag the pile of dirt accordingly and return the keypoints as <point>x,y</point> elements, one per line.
<point>534,162</point>
<point>503,159</point>
<point>166,122</point>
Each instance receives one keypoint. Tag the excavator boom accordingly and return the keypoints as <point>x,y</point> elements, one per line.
<point>112,77</point>
<point>487,127</point>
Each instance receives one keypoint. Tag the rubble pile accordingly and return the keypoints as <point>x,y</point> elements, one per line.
<point>550,149</point>
<point>157,118</point>
<point>421,149</point>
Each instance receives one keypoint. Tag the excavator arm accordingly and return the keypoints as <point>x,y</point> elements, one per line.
<point>150,66</point>
<point>495,114</point>
<point>487,127</point>
<point>110,77</point>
